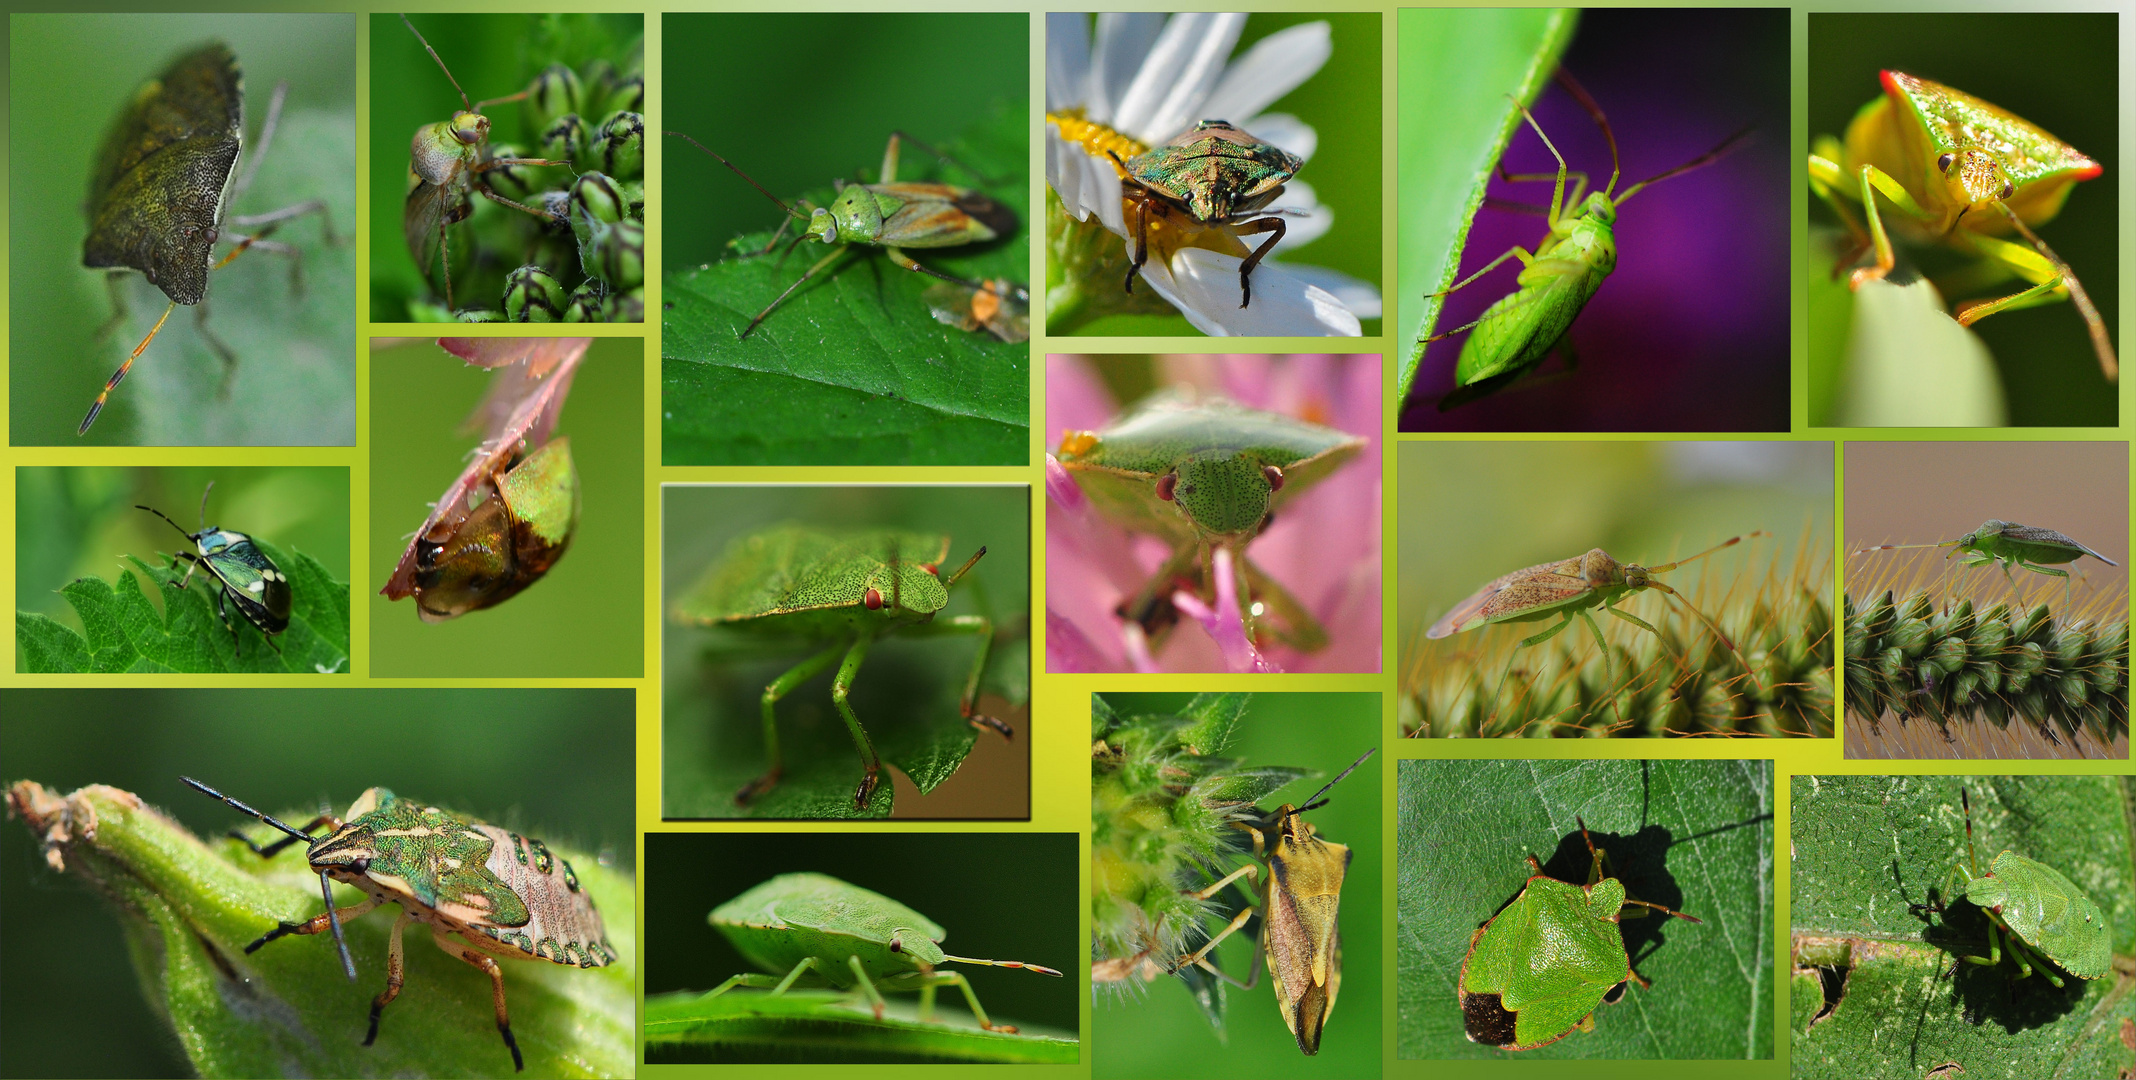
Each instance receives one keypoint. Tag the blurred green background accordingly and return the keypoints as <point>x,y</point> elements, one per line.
<point>76,522</point>
<point>711,728</point>
<point>1161,1032</point>
<point>1000,896</point>
<point>1473,511</point>
<point>491,56</point>
<point>1343,103</point>
<point>295,381</point>
<point>733,83</point>
<point>586,617</point>
<point>2055,70</point>
<point>284,751</point>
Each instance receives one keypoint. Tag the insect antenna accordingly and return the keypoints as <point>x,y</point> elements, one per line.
<point>1040,968</point>
<point>968,563</point>
<point>204,505</point>
<point>119,376</point>
<point>1579,93</point>
<point>1693,608</point>
<point>464,100</point>
<point>1725,147</point>
<point>738,172</point>
<point>326,886</point>
<point>1319,798</point>
<point>166,517</point>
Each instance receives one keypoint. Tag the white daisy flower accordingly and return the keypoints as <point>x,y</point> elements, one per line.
<point>1148,78</point>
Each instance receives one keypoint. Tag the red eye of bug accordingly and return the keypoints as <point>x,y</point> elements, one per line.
<point>1165,484</point>
<point>874,599</point>
<point>1275,477</point>
<point>931,569</point>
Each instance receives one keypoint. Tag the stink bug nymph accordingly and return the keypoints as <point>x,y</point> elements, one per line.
<point>246,576</point>
<point>498,893</point>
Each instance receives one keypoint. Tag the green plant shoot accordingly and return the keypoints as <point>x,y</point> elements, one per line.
<point>2045,918</point>
<point>1960,172</point>
<point>888,214</point>
<point>2009,544</point>
<point>448,164</point>
<point>818,928</point>
<point>1569,587</point>
<point>1556,282</point>
<point>852,587</point>
<point>1536,971</point>
<point>1204,474</point>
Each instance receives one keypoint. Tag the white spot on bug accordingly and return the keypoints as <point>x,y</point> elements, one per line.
<point>255,586</point>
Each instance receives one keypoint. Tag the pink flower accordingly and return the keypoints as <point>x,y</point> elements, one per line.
<point>1324,546</point>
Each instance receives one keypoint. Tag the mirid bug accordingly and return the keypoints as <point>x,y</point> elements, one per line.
<point>243,574</point>
<point>2010,544</point>
<point>500,894</point>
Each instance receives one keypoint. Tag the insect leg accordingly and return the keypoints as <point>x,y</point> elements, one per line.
<point>909,263</point>
<point>1139,228</point>
<point>841,684</point>
<point>983,628</point>
<point>756,981</point>
<point>1631,618</point>
<point>1874,180</point>
<point>496,974</point>
<point>1555,629</point>
<point>396,959</point>
<point>835,254</point>
<point>779,688</point>
<point>1259,225</point>
<point>317,924</point>
<point>957,979</point>
<point>867,986</point>
<point>781,987</point>
<point>1298,628</point>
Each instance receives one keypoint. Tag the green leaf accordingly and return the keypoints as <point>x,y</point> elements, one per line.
<point>1890,355</point>
<point>1458,67</point>
<point>1868,848</point>
<point>1694,835</point>
<point>189,909</point>
<point>745,1025</point>
<point>125,632</point>
<point>852,368</point>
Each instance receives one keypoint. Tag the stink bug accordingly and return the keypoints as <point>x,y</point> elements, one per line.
<point>244,574</point>
<point>2046,919</point>
<point>821,928</point>
<point>501,894</point>
<point>1218,177</point>
<point>1300,938</point>
<point>1536,970</point>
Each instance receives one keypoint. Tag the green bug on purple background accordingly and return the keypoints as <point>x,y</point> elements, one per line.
<point>501,895</point>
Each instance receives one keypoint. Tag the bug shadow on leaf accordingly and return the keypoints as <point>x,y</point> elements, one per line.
<point>1638,860</point>
<point>1991,994</point>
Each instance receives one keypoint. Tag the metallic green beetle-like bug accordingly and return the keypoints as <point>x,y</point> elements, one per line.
<point>1219,177</point>
<point>246,576</point>
<point>821,928</point>
<point>500,894</point>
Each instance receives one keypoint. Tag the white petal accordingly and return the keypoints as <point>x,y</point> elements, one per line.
<point>1067,60</point>
<point>1086,185</point>
<point>1275,66</point>
<point>1124,42</point>
<point>1308,221</point>
<point>1284,130</point>
<point>1204,286</point>
<point>1185,64</point>
<point>1361,297</point>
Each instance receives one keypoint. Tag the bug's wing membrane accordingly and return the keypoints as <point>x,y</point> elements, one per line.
<point>1534,591</point>
<point>255,584</point>
<point>2032,534</point>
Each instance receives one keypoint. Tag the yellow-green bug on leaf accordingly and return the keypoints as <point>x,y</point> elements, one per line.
<point>2045,918</point>
<point>486,893</point>
<point>817,928</point>
<point>1961,172</point>
<point>852,588</point>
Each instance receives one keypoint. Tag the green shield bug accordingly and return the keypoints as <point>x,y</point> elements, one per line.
<point>449,163</point>
<point>1560,277</point>
<point>1218,177</point>
<point>817,927</point>
<point>2009,544</point>
<point>166,176</point>
<point>2047,921</point>
<point>1301,940</point>
<point>1203,474</point>
<point>889,214</point>
<point>855,587</point>
<point>500,894</point>
<point>1537,969</point>
<point>243,574</point>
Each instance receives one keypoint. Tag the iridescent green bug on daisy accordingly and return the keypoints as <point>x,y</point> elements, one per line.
<point>501,895</point>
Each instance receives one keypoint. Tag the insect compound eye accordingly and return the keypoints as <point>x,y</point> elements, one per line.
<point>874,599</point>
<point>2007,189</point>
<point>1275,477</point>
<point>1166,485</point>
<point>897,943</point>
<point>360,866</point>
<point>1943,162</point>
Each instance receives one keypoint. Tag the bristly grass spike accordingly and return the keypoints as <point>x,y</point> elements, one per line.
<point>243,574</point>
<point>160,197</point>
<point>889,214</point>
<point>1941,158</point>
<point>1516,333</point>
<point>447,161</point>
<point>502,894</point>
